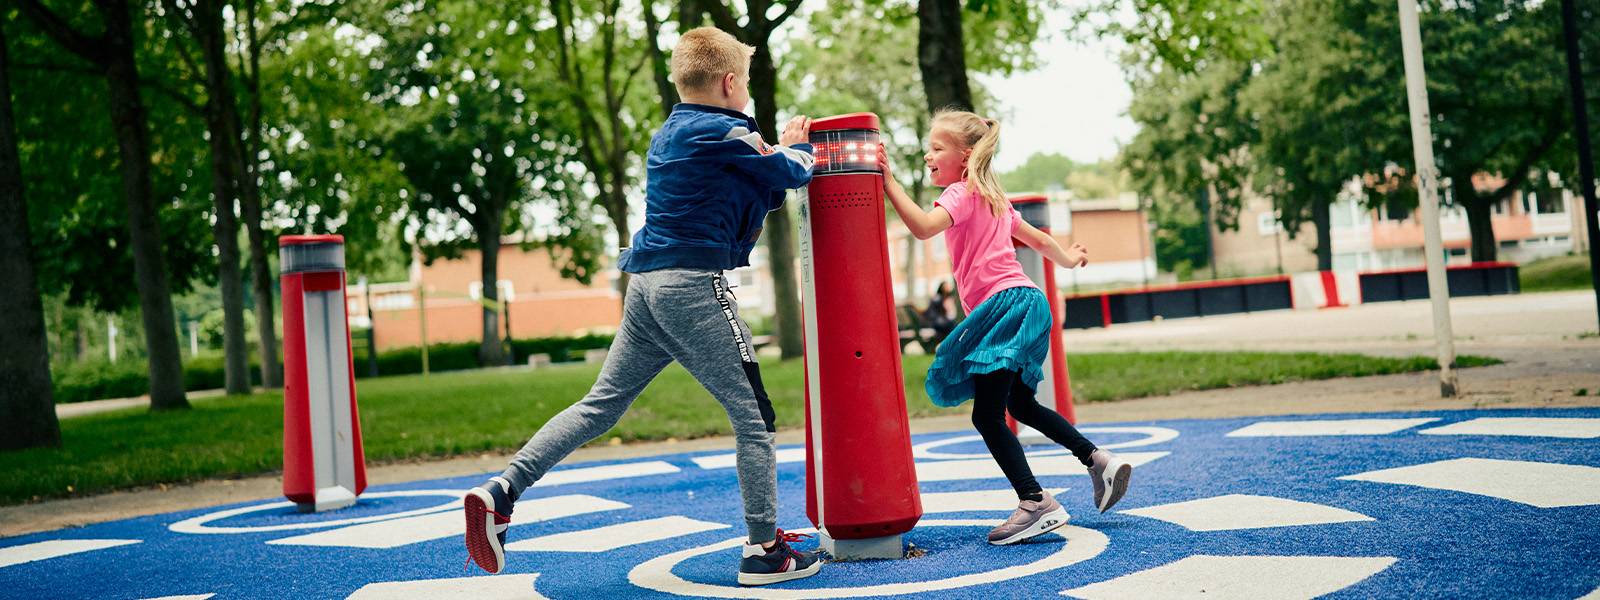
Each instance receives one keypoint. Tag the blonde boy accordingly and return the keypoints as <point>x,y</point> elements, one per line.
<point>710,182</point>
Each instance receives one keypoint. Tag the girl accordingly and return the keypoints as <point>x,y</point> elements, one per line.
<point>995,355</point>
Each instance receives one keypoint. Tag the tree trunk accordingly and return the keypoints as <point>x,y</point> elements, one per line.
<point>250,188</point>
<point>779,227</point>
<point>27,404</point>
<point>490,351</point>
<point>144,226</point>
<point>658,61</point>
<point>942,55</point>
<point>617,211</point>
<point>1480,221</point>
<point>1322,218</point>
<point>224,182</point>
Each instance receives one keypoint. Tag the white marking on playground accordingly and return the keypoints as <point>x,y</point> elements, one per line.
<point>611,537</point>
<point>412,530</point>
<point>997,500</point>
<point>1227,577</point>
<point>1154,435</point>
<point>639,469</point>
<point>724,461</point>
<point>1339,427</point>
<point>199,597</point>
<point>25,553</point>
<point>985,468</point>
<point>198,524</point>
<point>1594,595</point>
<point>1239,511</point>
<point>1082,544</point>
<point>1529,426</point>
<point>1545,485</point>
<point>499,587</point>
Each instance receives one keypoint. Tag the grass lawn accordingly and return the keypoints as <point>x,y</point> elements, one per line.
<point>1556,273</point>
<point>448,414</point>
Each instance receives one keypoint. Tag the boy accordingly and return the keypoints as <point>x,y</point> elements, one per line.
<point>710,183</point>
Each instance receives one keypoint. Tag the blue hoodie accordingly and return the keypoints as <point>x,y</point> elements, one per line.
<point>710,183</point>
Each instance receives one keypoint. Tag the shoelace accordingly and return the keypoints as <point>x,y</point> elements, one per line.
<point>791,537</point>
<point>469,554</point>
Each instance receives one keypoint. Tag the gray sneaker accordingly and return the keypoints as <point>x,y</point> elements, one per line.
<point>1110,475</point>
<point>1030,519</point>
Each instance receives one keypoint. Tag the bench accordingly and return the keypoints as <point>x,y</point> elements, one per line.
<point>912,329</point>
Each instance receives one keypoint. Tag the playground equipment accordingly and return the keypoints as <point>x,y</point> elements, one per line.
<point>323,466</point>
<point>1056,387</point>
<point>861,484</point>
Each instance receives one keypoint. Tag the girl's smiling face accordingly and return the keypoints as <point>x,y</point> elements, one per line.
<point>946,159</point>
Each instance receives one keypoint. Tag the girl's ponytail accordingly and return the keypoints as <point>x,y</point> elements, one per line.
<point>982,137</point>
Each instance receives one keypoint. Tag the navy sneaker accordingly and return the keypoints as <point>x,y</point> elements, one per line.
<point>782,563</point>
<point>488,508</point>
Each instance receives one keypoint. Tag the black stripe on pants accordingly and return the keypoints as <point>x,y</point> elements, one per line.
<point>996,392</point>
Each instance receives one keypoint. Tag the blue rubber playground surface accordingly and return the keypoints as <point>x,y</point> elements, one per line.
<point>1453,504</point>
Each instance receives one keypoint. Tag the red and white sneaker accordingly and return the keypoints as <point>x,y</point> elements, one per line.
<point>782,563</point>
<point>488,509</point>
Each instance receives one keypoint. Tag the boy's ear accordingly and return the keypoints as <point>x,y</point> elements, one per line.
<point>729,83</point>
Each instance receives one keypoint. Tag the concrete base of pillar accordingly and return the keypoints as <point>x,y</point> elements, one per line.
<point>865,549</point>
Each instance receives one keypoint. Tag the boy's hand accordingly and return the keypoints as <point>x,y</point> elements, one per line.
<point>797,131</point>
<point>1077,256</point>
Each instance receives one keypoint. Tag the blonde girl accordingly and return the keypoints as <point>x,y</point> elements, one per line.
<point>995,356</point>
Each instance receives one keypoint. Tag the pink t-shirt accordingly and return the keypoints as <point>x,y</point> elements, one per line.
<point>980,246</point>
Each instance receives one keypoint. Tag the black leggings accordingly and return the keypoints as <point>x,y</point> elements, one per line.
<point>996,392</point>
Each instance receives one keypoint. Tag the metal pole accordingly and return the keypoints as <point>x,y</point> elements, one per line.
<point>1428,182</point>
<point>1580,119</point>
<point>372,331</point>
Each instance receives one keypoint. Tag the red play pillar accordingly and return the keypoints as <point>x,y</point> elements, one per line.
<point>1056,387</point>
<point>323,467</point>
<point>861,483</point>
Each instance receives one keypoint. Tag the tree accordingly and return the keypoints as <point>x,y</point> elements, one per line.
<point>1193,157</point>
<point>779,228</point>
<point>1495,89</point>
<point>112,51</point>
<point>202,21</point>
<point>250,205</point>
<point>985,36</point>
<point>610,115</point>
<point>1181,35</point>
<point>27,406</point>
<point>473,124</point>
<point>942,55</point>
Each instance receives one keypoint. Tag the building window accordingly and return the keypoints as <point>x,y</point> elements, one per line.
<point>393,301</point>
<point>1348,213</point>
<point>507,291</point>
<point>1396,208</point>
<point>1550,201</point>
<point>1267,223</point>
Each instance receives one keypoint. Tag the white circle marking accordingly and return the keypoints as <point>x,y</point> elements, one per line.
<point>198,524</point>
<point>1155,435</point>
<point>656,574</point>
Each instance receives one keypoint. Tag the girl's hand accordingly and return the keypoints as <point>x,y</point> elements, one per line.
<point>1077,256</point>
<point>883,165</point>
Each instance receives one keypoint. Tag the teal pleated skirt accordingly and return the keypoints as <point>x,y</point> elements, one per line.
<point>1010,330</point>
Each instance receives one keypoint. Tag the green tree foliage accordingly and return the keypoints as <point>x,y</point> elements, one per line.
<point>1181,35</point>
<point>1047,172</point>
<point>1191,159</point>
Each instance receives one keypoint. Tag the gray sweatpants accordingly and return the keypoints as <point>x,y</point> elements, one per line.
<point>685,315</point>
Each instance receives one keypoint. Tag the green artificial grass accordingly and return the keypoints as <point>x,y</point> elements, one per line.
<point>462,413</point>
